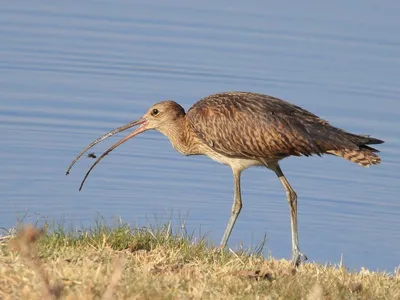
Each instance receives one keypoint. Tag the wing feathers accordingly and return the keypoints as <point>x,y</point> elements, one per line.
<point>240,124</point>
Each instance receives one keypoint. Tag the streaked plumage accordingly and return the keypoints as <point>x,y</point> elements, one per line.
<point>243,129</point>
<point>250,125</point>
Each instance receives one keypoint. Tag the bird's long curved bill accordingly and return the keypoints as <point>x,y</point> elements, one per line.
<point>142,122</point>
<point>102,138</point>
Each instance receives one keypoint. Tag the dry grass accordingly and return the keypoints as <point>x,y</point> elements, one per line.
<point>125,263</point>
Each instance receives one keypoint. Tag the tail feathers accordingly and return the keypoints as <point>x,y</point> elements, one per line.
<point>364,156</point>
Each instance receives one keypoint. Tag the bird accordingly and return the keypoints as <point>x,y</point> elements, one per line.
<point>242,130</point>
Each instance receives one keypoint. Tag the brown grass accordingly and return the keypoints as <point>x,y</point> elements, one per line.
<point>124,263</point>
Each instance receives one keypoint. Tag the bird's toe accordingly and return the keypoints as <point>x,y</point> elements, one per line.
<point>298,257</point>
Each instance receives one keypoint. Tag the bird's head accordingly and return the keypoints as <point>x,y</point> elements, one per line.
<point>161,116</point>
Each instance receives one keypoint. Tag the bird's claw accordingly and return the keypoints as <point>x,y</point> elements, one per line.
<point>219,248</point>
<point>298,257</point>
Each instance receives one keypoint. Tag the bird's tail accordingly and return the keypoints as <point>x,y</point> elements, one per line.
<point>365,155</point>
<point>364,158</point>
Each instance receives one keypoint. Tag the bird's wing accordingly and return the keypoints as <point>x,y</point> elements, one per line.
<point>240,124</point>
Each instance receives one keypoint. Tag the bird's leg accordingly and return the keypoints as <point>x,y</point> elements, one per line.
<point>236,207</point>
<point>292,200</point>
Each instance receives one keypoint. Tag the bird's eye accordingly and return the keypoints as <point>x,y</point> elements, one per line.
<point>155,112</point>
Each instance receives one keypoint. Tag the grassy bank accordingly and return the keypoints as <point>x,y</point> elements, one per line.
<point>126,263</point>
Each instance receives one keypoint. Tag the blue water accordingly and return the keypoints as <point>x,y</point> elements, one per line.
<point>71,71</point>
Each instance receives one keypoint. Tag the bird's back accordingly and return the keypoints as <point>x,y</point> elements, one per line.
<point>242,124</point>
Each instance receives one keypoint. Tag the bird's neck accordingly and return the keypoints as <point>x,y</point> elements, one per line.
<point>182,137</point>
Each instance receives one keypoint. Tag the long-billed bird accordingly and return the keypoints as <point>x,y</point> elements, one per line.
<point>240,130</point>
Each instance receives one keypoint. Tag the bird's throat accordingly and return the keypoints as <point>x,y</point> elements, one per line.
<point>182,137</point>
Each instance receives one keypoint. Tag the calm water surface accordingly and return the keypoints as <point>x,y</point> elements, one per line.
<point>70,72</point>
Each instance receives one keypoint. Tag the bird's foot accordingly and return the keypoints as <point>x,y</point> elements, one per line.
<point>219,248</point>
<point>298,257</point>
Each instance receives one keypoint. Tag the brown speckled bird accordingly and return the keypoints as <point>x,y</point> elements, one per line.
<point>241,130</point>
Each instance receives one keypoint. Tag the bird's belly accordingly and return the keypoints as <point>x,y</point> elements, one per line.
<point>237,163</point>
